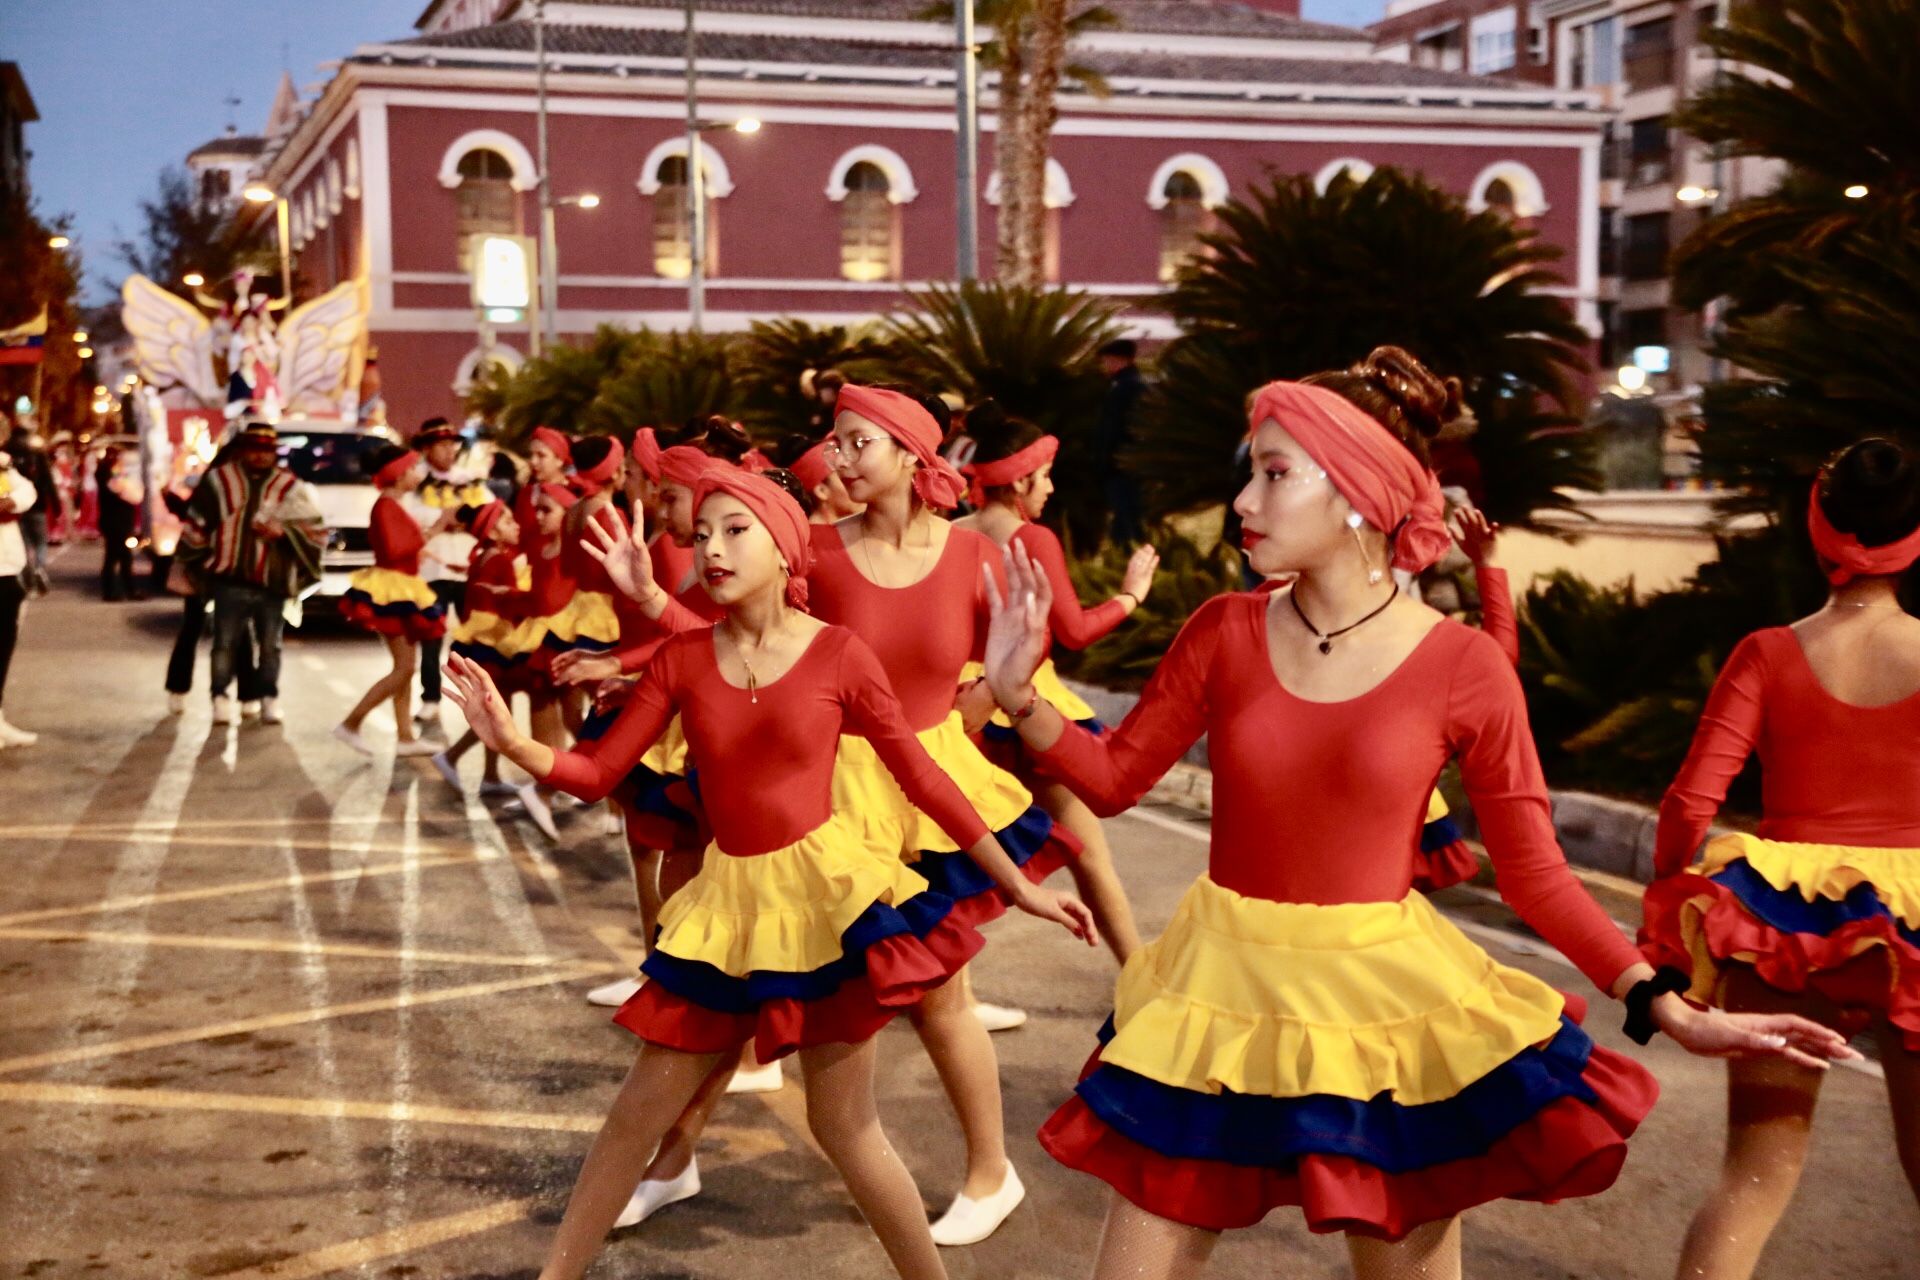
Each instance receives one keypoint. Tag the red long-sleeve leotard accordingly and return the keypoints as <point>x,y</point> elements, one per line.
<point>924,634</point>
<point>1070,624</point>
<point>766,766</point>
<point>493,583</point>
<point>1831,772</point>
<point>688,610</point>
<point>1323,802</point>
<point>1496,610</point>
<point>394,537</point>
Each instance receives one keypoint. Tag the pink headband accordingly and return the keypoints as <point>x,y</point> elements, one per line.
<point>554,441</point>
<point>646,452</point>
<point>908,422</point>
<point>683,465</point>
<point>389,475</point>
<point>811,468</point>
<point>1372,470</point>
<point>600,474</point>
<point>773,507</point>
<point>1024,462</point>
<point>560,494</point>
<point>487,517</point>
<point>1848,557</point>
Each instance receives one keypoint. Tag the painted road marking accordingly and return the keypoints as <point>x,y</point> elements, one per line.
<point>211,943</point>
<point>389,1244</point>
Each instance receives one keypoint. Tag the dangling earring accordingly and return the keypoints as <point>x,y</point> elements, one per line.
<point>1354,522</point>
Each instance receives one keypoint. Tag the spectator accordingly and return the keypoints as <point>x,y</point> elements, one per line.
<point>194,607</point>
<point>120,497</point>
<point>251,562</point>
<point>435,507</point>
<point>16,496</point>
<point>1114,432</point>
<point>30,461</point>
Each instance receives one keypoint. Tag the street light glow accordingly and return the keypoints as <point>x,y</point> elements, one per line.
<point>1692,194</point>
<point>746,124</point>
<point>1631,377</point>
<point>79,335</point>
<point>1857,191</point>
<point>58,242</point>
<point>258,194</point>
<point>589,201</point>
<point>193,279</point>
<point>85,353</point>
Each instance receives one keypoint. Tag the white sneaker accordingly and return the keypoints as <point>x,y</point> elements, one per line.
<point>999,1017</point>
<point>765,1078</point>
<point>176,703</point>
<point>250,709</point>
<point>969,1221</point>
<point>615,994</point>
<point>415,747</point>
<point>353,739</point>
<point>224,711</point>
<point>12,737</point>
<point>270,711</point>
<point>651,1197</point>
<point>537,809</point>
<point>448,770</point>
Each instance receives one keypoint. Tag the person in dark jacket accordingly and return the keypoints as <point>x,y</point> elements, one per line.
<point>119,524</point>
<point>1114,432</point>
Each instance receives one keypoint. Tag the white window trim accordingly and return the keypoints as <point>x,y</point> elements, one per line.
<point>1059,189</point>
<point>333,185</point>
<point>1211,177</point>
<point>1361,170</point>
<point>719,181</point>
<point>352,187</point>
<point>900,184</point>
<point>1529,194</point>
<point>526,175</point>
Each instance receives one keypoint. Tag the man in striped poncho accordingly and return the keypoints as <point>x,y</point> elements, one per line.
<point>252,542</point>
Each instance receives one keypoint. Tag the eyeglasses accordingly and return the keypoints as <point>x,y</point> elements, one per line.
<point>856,446</point>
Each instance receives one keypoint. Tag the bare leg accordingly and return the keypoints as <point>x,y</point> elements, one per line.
<point>1903,1093</point>
<point>1429,1252</point>
<point>1769,1124</point>
<point>841,1113</point>
<point>646,886</point>
<point>490,769</point>
<point>546,727</point>
<point>394,685</point>
<point>1093,875</point>
<point>656,1090</point>
<point>1138,1245</point>
<point>962,1053</point>
<point>677,1147</point>
<point>464,744</point>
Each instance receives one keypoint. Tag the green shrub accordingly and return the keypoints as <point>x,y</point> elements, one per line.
<point>1188,578</point>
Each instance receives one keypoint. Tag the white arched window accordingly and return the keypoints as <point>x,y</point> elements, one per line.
<point>1185,189</point>
<point>1358,170</point>
<point>475,363</point>
<point>900,184</point>
<point>353,169</point>
<point>663,180</point>
<point>521,173</point>
<point>487,201</point>
<point>869,225</point>
<point>1511,188</point>
<point>1057,194</point>
<point>334,192</point>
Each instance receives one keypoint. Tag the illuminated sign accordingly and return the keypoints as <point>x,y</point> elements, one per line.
<point>1653,359</point>
<point>502,275</point>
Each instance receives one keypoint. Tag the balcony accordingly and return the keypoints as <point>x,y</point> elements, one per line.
<point>1648,64</point>
<point>1649,168</point>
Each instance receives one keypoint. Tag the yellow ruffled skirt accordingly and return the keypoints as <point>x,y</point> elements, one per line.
<point>393,603</point>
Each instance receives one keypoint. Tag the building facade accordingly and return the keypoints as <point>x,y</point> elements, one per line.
<point>845,198</point>
<point>1481,37</point>
<point>17,111</point>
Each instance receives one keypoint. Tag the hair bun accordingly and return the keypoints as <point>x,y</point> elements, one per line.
<point>985,422</point>
<point>727,439</point>
<point>1871,489</point>
<point>1427,401</point>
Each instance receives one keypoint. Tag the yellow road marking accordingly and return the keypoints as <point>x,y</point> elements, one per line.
<point>210,943</point>
<point>242,886</point>
<point>389,1244</point>
<point>268,1022</point>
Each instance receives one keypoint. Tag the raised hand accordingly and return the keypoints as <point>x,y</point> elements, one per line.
<point>1713,1034</point>
<point>622,551</point>
<point>1139,576</point>
<point>578,666</point>
<point>487,713</point>
<point>1017,635</point>
<point>1475,533</point>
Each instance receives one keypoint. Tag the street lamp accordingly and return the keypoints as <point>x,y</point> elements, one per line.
<point>697,192</point>
<point>550,259</point>
<point>1858,191</point>
<point>79,335</point>
<point>85,353</point>
<point>193,279</point>
<point>1694,195</point>
<point>58,242</point>
<point>259,193</point>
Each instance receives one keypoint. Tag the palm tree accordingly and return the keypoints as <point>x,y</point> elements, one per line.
<point>1294,281</point>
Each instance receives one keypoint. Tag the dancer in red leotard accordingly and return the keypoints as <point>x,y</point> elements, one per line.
<point>912,586</point>
<point>828,502</point>
<point>1011,478</point>
<point>1308,1030</point>
<point>1818,912</point>
<point>492,632</point>
<point>549,454</point>
<point>797,934</point>
<point>391,600</point>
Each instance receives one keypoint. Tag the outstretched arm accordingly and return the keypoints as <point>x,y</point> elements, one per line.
<point>1074,626</point>
<point>1729,726</point>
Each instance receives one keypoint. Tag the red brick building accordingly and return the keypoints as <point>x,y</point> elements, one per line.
<point>846,196</point>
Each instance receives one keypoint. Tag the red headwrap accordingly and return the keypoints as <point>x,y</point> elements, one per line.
<point>646,452</point>
<point>1848,557</point>
<point>908,422</point>
<point>811,468</point>
<point>560,493</point>
<point>683,465</point>
<point>1024,462</point>
<point>1372,470</point>
<point>555,441</point>
<point>756,462</point>
<point>775,508</point>
<point>389,475</point>
<point>483,522</point>
<point>601,474</point>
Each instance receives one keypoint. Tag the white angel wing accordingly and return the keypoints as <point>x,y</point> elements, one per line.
<point>172,341</point>
<point>323,348</point>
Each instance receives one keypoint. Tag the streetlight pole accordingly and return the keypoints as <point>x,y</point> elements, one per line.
<point>696,192</point>
<point>549,271</point>
<point>966,143</point>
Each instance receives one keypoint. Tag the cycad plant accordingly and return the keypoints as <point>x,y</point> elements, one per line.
<point>1295,280</point>
<point>777,354</point>
<point>618,380</point>
<point>1188,577</point>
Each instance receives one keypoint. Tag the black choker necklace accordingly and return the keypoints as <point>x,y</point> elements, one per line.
<point>1328,637</point>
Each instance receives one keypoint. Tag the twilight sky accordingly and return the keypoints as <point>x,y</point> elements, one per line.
<point>127,87</point>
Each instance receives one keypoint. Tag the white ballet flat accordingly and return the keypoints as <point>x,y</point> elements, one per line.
<point>765,1078</point>
<point>449,771</point>
<point>615,994</point>
<point>349,736</point>
<point>999,1017</point>
<point>969,1221</point>
<point>651,1197</point>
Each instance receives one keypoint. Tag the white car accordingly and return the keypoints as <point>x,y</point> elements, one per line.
<point>332,456</point>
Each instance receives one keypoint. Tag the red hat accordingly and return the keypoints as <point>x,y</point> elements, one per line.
<point>775,508</point>
<point>1372,470</point>
<point>909,423</point>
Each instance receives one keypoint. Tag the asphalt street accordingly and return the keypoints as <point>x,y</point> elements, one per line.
<point>270,1009</point>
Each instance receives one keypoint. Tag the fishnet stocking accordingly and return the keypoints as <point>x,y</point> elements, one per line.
<point>1430,1252</point>
<point>1138,1245</point>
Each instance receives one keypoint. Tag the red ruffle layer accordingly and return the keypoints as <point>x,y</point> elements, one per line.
<point>1061,847</point>
<point>1445,867</point>
<point>414,626</point>
<point>1864,965</point>
<point>900,970</point>
<point>1570,1148</point>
